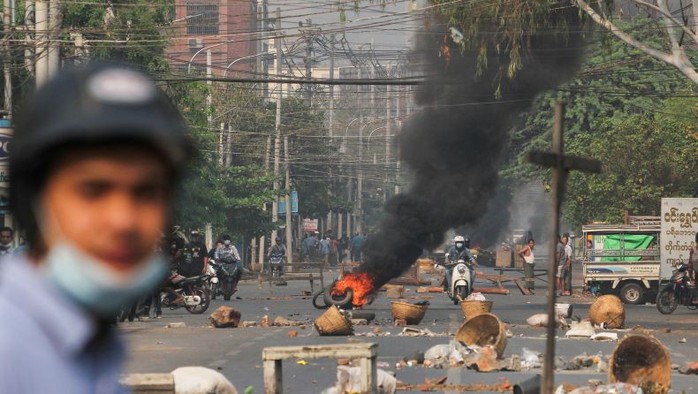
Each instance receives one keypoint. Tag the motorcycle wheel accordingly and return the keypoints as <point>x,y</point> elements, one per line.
<point>461,294</point>
<point>227,291</point>
<point>667,302</point>
<point>203,305</point>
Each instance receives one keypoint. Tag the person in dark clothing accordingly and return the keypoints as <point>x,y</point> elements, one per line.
<point>195,256</point>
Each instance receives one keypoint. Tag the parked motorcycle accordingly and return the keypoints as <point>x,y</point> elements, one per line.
<point>196,296</point>
<point>213,282</point>
<point>677,292</point>
<point>228,274</point>
<point>461,281</point>
<point>276,266</point>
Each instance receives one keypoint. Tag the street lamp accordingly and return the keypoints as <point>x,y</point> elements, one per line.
<point>243,58</point>
<point>203,49</point>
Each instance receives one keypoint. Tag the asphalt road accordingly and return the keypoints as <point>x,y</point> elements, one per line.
<point>237,352</point>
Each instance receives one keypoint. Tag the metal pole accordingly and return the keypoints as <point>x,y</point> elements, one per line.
<point>209,85</point>
<point>388,132</point>
<point>262,243</point>
<point>6,17</point>
<point>331,125</point>
<point>554,225</point>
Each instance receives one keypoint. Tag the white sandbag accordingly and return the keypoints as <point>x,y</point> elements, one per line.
<point>349,381</point>
<point>200,380</point>
<point>541,320</point>
<point>437,352</point>
<point>477,296</point>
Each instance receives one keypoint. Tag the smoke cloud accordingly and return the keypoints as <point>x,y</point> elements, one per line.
<point>454,145</point>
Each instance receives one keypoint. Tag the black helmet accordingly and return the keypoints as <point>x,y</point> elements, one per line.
<point>96,105</point>
<point>466,241</point>
<point>278,239</point>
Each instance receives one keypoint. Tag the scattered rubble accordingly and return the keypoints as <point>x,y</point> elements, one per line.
<point>176,325</point>
<point>691,368</point>
<point>349,381</point>
<point>615,388</point>
<point>281,321</point>
<point>192,380</point>
<point>582,329</point>
<point>225,316</point>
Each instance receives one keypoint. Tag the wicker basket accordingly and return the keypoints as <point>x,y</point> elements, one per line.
<point>333,322</point>
<point>472,308</point>
<point>643,361</point>
<point>607,309</point>
<point>411,313</point>
<point>482,330</point>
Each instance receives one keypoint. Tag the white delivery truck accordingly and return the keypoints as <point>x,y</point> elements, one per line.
<point>630,260</point>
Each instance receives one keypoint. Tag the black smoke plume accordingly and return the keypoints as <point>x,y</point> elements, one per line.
<point>454,145</point>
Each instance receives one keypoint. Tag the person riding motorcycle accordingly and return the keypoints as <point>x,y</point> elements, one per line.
<point>460,251</point>
<point>228,254</point>
<point>278,250</point>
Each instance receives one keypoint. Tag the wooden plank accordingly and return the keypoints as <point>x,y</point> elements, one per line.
<point>350,350</point>
<point>369,375</point>
<point>491,290</point>
<point>524,290</point>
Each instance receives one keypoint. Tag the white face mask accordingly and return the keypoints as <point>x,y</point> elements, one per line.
<point>98,287</point>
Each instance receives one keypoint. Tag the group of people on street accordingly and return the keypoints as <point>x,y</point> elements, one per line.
<point>330,249</point>
<point>563,265</point>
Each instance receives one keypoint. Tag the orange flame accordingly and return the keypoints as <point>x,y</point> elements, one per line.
<point>361,284</point>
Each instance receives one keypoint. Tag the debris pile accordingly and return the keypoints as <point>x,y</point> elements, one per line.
<point>225,316</point>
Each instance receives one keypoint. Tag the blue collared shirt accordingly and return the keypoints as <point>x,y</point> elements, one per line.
<point>48,344</point>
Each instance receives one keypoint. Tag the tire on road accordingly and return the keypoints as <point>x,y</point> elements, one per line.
<point>632,293</point>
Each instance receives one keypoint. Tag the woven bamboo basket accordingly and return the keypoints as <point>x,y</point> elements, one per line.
<point>333,322</point>
<point>643,361</point>
<point>411,313</point>
<point>607,309</point>
<point>483,330</point>
<point>472,308</point>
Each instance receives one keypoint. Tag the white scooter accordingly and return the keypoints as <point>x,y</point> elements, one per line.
<point>461,281</point>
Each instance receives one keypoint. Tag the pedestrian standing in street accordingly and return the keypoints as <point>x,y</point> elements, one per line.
<point>526,253</point>
<point>334,251</point>
<point>325,249</point>
<point>357,243</point>
<point>95,156</point>
<point>6,238</point>
<point>560,264</point>
<point>568,266</point>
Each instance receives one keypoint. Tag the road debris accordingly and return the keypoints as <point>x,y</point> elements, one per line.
<point>582,329</point>
<point>605,336</point>
<point>418,332</point>
<point>349,381</point>
<point>281,321</point>
<point>292,333</point>
<point>691,368</point>
<point>180,324</point>
<point>614,388</point>
<point>225,317</point>
<point>248,323</point>
<point>201,380</point>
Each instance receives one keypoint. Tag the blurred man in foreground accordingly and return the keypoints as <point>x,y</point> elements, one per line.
<point>95,157</point>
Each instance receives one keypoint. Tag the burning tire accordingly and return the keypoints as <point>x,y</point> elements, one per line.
<point>342,301</point>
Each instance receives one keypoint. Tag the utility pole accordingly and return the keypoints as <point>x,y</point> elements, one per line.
<point>41,26</point>
<point>309,63</point>
<point>388,132</point>
<point>220,144</point>
<point>398,123</point>
<point>54,52</point>
<point>289,223</point>
<point>277,129</point>
<point>6,18</point>
<point>331,125</point>
<point>360,181</point>
<point>29,49</point>
<point>560,165</point>
<point>209,84</point>
<point>262,243</point>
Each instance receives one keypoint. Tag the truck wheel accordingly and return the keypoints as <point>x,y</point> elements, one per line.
<point>632,293</point>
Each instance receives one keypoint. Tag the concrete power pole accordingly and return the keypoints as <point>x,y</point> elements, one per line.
<point>277,128</point>
<point>41,26</point>
<point>309,63</point>
<point>289,222</point>
<point>262,242</point>
<point>6,22</point>
<point>331,120</point>
<point>54,46</point>
<point>388,132</point>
